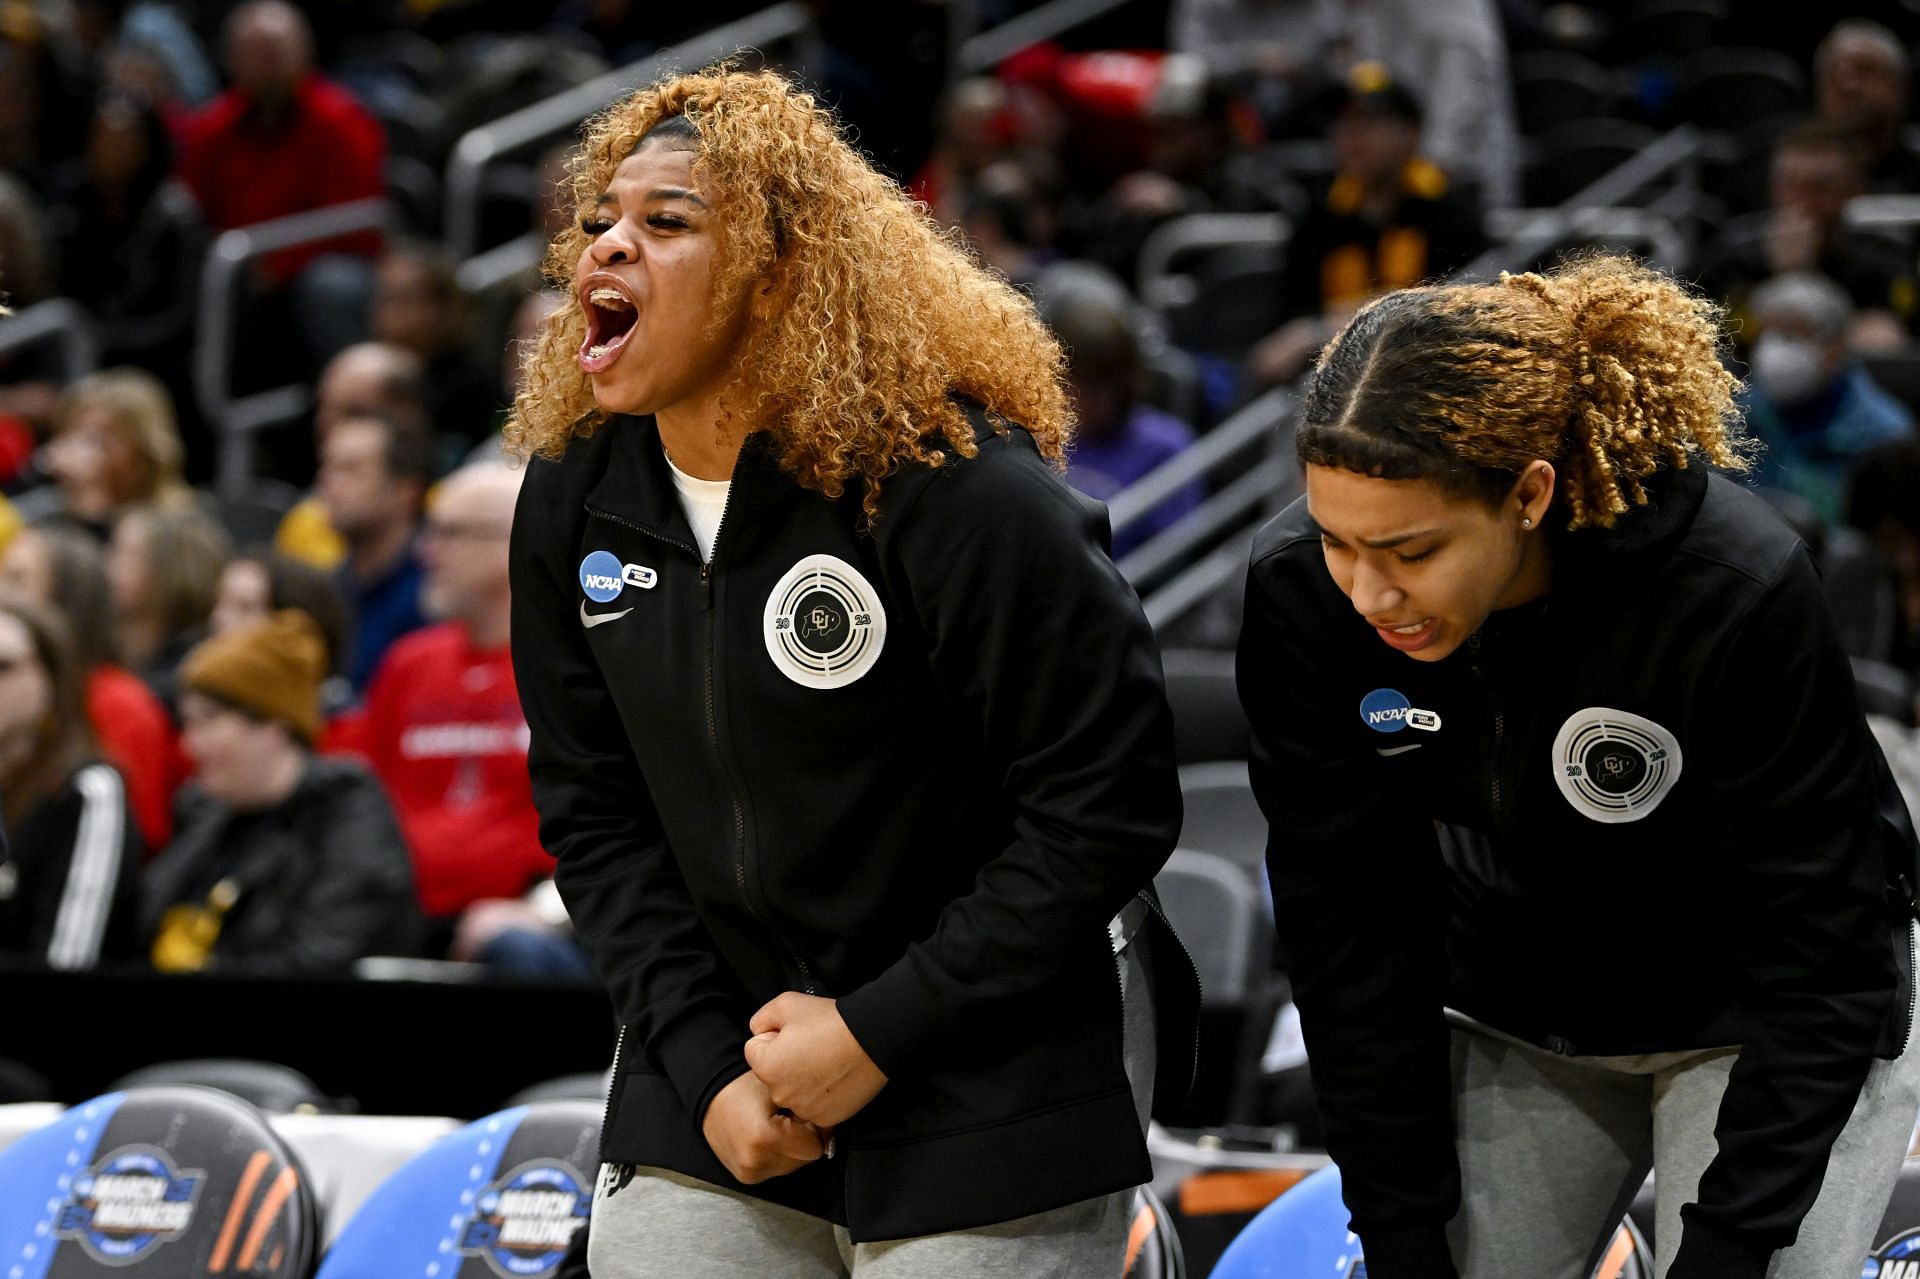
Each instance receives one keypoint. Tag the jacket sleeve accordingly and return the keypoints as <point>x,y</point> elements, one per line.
<point>1033,631</point>
<point>630,906</point>
<point>1788,779</point>
<point>75,905</point>
<point>1360,905</point>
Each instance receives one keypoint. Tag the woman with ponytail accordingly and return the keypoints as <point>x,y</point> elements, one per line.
<point>1582,855</point>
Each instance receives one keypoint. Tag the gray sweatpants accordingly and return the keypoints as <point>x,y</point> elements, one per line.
<point>663,1225</point>
<point>1553,1149</point>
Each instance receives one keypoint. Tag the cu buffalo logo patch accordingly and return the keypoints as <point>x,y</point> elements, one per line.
<point>824,623</point>
<point>1614,766</point>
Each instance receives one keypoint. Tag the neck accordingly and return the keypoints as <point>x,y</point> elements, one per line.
<point>697,441</point>
<point>1534,578</point>
<point>488,629</point>
<point>281,777</point>
<point>379,551</point>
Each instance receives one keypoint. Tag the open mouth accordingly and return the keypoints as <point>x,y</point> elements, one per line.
<point>611,317</point>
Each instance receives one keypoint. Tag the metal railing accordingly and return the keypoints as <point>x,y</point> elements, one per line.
<point>236,420</point>
<point>1161,287</point>
<point>1163,567</point>
<point>560,114</point>
<point>61,322</point>
<point>1676,154</point>
<point>975,53</point>
<point>1526,233</point>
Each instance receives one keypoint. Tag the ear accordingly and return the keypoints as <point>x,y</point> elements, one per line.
<point>1532,494</point>
<point>767,296</point>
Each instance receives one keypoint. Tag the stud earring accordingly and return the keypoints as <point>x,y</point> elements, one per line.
<point>1527,523</point>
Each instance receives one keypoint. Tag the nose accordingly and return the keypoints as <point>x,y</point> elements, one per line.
<point>1372,593</point>
<point>613,246</point>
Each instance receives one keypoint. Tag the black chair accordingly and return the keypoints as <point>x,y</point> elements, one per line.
<point>1552,87</point>
<point>160,1183</point>
<point>1897,373</point>
<point>589,1086</point>
<point>273,1088</point>
<point>1209,723</point>
<point>1731,88</point>
<point>1860,593</point>
<point>1153,1249</point>
<point>1674,28</point>
<point>1222,816</point>
<point>1568,159</point>
<point>1235,302</point>
<point>1884,690</point>
<point>519,1184</point>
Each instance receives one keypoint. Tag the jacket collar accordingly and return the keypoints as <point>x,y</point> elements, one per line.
<point>636,485</point>
<point>1674,497</point>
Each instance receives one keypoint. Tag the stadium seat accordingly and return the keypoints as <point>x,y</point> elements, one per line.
<point>1553,87</point>
<point>587,1086</point>
<point>1674,28</point>
<point>1222,815</point>
<point>156,1183</point>
<point>1898,1238</point>
<point>1153,1249</point>
<point>1571,157</point>
<point>1209,723</point>
<point>273,1088</point>
<point>506,1195</point>
<point>1731,88</point>
<point>1303,1235</point>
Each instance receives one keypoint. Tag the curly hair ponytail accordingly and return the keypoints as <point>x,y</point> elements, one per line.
<point>1604,367</point>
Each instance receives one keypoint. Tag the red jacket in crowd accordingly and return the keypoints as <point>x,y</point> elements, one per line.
<point>136,735</point>
<point>445,734</point>
<point>327,151</point>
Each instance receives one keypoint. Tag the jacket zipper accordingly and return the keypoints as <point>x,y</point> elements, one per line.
<point>1193,1058</point>
<point>606,1108</point>
<point>713,723</point>
<point>1499,725</point>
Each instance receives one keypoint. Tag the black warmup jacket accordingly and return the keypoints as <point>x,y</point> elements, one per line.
<point>915,769</point>
<point>1670,828</point>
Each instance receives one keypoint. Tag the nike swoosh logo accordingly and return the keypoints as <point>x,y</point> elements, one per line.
<point>591,620</point>
<point>1383,750</point>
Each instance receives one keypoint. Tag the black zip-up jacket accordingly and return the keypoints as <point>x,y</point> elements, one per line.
<point>915,769</point>
<point>1675,832</point>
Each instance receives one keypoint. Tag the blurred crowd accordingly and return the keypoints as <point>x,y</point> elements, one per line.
<point>274,728</point>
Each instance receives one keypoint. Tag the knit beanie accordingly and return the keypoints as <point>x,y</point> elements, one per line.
<point>272,669</point>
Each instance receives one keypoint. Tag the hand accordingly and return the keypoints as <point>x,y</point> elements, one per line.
<point>484,921</point>
<point>810,1062</point>
<point>752,1138</point>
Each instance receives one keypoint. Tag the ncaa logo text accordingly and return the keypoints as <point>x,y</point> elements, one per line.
<point>129,1204</point>
<point>524,1222</point>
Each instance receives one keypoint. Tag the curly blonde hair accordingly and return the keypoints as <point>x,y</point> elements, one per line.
<point>1604,367</point>
<point>883,319</point>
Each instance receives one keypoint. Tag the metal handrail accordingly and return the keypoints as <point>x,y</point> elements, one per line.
<point>1542,228</point>
<point>1880,212</point>
<point>986,50</point>
<point>1167,243</point>
<point>62,320</point>
<point>1678,148</point>
<point>1206,455</point>
<point>236,420</point>
<point>561,113</point>
<point>1224,512</point>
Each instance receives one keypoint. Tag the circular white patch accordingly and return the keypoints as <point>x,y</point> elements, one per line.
<point>824,624</point>
<point>1614,766</point>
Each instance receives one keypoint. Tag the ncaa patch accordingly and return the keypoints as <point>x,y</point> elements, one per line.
<point>824,623</point>
<point>1387,710</point>
<point>601,577</point>
<point>524,1222</point>
<point>1614,766</point>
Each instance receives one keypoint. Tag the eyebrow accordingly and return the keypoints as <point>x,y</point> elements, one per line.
<point>658,193</point>
<point>1382,543</point>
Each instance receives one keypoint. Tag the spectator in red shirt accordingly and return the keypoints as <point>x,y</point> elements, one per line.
<point>444,729</point>
<point>283,139</point>
<point>65,567</point>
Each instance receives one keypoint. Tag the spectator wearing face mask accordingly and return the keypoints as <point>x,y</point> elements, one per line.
<point>1808,400</point>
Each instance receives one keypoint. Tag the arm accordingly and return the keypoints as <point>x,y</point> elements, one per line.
<point>1360,902</point>
<point>1034,632</point>
<point>630,907</point>
<point>1788,779</point>
<point>93,823</point>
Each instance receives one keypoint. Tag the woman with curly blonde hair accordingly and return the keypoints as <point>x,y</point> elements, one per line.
<point>1582,855</point>
<point>849,741</point>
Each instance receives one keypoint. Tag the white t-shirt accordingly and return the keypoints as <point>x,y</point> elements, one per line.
<point>704,501</point>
